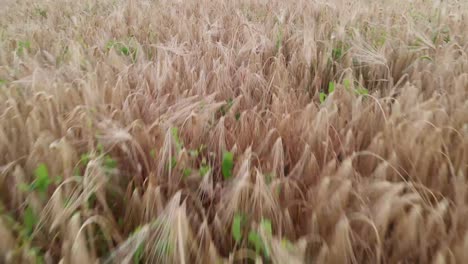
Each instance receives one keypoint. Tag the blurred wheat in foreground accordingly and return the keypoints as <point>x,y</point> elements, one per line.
<point>246,131</point>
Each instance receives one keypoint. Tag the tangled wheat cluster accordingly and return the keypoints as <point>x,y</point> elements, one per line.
<point>243,131</point>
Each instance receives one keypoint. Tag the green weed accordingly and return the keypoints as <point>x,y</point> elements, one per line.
<point>29,221</point>
<point>204,169</point>
<point>41,12</point>
<point>138,255</point>
<point>227,165</point>
<point>22,45</point>
<point>122,49</point>
<point>236,229</point>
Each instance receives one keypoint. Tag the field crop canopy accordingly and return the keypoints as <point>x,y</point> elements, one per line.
<point>244,131</point>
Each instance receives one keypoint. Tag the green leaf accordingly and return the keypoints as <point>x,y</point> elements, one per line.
<point>134,52</point>
<point>204,170</point>
<point>100,148</point>
<point>110,44</point>
<point>237,116</point>
<point>173,162</point>
<point>29,220</point>
<point>187,172</point>
<point>225,108</point>
<point>266,225</point>
<point>255,239</point>
<point>287,244</point>
<point>37,255</point>
<point>236,228</point>
<point>331,87</point>
<point>227,165</point>
<point>41,171</point>
<point>426,58</point>
<point>322,97</point>
<point>42,181</point>
<point>269,177</point>
<point>23,45</point>
<point>447,39</point>
<point>193,153</point>
<point>153,153</point>
<point>175,136</point>
<point>23,187</point>
<point>279,39</point>
<point>125,50</point>
<point>85,158</point>
<point>2,82</point>
<point>109,162</point>
<point>42,12</point>
<point>362,91</point>
<point>58,180</point>
<point>76,171</point>
<point>347,83</point>
<point>201,148</point>
<point>337,53</point>
<point>136,230</point>
<point>137,257</point>
<point>278,190</point>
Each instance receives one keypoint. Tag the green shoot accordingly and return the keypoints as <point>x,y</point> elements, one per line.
<point>109,162</point>
<point>153,153</point>
<point>279,40</point>
<point>255,240</point>
<point>227,165</point>
<point>23,187</point>
<point>331,87</point>
<point>278,190</point>
<point>347,83</point>
<point>236,228</point>
<point>138,256</point>
<point>58,180</point>
<point>269,177</point>
<point>225,108</point>
<point>287,244</point>
<point>426,58</point>
<point>22,45</point>
<point>266,225</point>
<point>173,163</point>
<point>36,254</point>
<point>122,49</point>
<point>362,91</point>
<point>29,221</point>
<point>204,169</point>
<point>193,153</point>
<point>337,53</point>
<point>186,172</point>
<point>42,181</point>
<point>42,12</point>
<point>175,136</point>
<point>322,97</point>
<point>85,158</point>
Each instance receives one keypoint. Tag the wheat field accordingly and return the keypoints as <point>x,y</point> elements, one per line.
<point>244,131</point>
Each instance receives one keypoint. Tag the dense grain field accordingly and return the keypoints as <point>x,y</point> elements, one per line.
<point>245,131</point>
